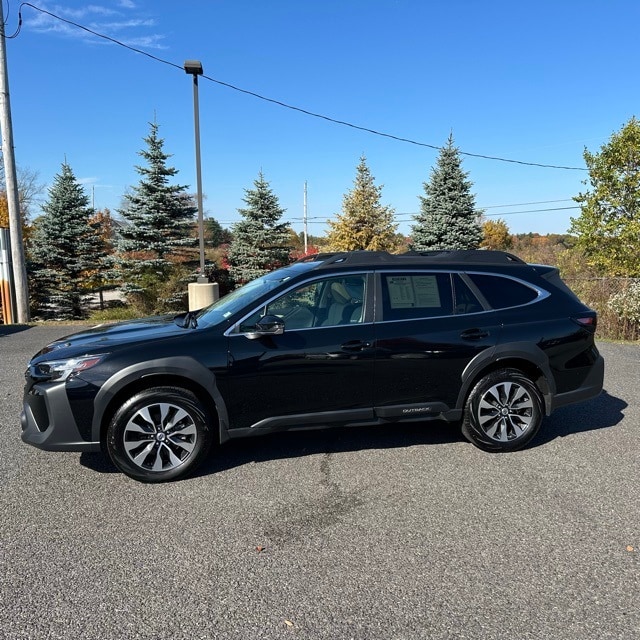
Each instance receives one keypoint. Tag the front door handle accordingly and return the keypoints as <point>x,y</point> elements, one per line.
<point>474,334</point>
<point>355,345</point>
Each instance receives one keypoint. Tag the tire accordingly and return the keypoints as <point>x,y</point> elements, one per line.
<point>503,411</point>
<point>159,434</point>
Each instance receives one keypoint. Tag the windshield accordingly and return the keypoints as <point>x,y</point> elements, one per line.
<point>244,296</point>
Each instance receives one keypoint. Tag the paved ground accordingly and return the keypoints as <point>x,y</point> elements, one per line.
<point>399,532</point>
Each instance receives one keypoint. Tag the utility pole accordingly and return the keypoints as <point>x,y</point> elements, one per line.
<point>11,182</point>
<point>304,219</point>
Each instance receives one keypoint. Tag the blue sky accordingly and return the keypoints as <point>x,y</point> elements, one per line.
<point>529,81</point>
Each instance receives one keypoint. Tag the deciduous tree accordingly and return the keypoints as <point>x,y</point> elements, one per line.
<point>29,187</point>
<point>495,235</point>
<point>608,227</point>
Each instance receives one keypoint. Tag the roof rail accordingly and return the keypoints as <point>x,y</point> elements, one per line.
<point>316,257</point>
<point>483,256</point>
<point>468,256</point>
<point>359,256</point>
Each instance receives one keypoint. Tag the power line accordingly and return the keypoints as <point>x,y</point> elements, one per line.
<point>323,219</point>
<point>512,213</point>
<point>504,213</point>
<point>524,204</point>
<point>286,105</point>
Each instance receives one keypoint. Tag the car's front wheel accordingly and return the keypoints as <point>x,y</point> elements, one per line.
<point>503,411</point>
<point>159,434</point>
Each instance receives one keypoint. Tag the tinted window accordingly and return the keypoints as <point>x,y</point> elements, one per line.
<point>466,301</point>
<point>322,303</point>
<point>245,295</point>
<point>407,296</point>
<point>503,292</point>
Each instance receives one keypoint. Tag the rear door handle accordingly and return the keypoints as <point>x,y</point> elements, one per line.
<point>474,334</point>
<point>355,345</point>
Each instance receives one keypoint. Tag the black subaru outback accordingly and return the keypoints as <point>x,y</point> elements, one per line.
<point>476,338</point>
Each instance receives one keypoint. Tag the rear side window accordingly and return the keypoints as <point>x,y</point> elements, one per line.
<point>407,296</point>
<point>501,292</point>
<point>466,301</point>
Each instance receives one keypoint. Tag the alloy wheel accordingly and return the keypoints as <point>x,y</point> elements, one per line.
<point>160,437</point>
<point>505,411</point>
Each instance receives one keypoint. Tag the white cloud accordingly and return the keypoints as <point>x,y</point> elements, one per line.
<point>128,24</point>
<point>119,23</point>
<point>92,180</point>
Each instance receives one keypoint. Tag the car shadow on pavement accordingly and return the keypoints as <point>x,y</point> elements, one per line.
<point>599,413</point>
<point>295,444</point>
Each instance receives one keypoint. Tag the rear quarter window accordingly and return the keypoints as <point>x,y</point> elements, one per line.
<point>501,292</point>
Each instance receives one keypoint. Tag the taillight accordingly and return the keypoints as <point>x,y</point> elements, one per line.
<point>588,322</point>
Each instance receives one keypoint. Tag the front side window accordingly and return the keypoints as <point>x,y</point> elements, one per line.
<point>321,303</point>
<point>407,296</point>
<point>235,301</point>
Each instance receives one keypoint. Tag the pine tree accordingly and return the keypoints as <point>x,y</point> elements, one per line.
<point>104,275</point>
<point>215,234</point>
<point>364,222</point>
<point>159,230</point>
<point>64,250</point>
<point>448,218</point>
<point>260,241</point>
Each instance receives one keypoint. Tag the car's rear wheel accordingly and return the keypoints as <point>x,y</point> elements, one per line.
<point>503,411</point>
<point>159,434</point>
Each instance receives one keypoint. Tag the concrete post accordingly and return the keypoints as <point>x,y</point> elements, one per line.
<point>202,294</point>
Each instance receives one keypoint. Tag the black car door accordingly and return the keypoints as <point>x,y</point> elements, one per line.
<point>429,326</point>
<point>319,371</point>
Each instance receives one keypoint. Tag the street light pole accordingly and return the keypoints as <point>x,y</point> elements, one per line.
<point>194,67</point>
<point>202,292</point>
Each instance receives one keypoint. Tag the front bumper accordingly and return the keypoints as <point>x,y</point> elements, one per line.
<point>48,422</point>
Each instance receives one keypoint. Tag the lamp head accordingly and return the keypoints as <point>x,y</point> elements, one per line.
<point>194,67</point>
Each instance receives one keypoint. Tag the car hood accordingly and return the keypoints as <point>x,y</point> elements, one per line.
<point>104,337</point>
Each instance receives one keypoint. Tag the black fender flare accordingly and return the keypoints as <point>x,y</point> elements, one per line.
<point>180,366</point>
<point>526,351</point>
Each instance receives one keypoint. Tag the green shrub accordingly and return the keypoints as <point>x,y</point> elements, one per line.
<point>114,314</point>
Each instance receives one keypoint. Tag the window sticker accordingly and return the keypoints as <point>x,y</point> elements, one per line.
<point>410,292</point>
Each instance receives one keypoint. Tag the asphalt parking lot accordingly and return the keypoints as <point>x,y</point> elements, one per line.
<point>389,533</point>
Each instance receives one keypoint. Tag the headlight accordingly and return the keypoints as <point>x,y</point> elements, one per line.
<point>60,370</point>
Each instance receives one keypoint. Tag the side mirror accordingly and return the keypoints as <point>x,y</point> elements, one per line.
<point>267,326</point>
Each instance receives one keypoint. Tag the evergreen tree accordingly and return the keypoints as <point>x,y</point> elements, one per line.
<point>608,227</point>
<point>104,274</point>
<point>364,223</point>
<point>64,250</point>
<point>159,230</point>
<point>448,218</point>
<point>215,234</point>
<point>260,241</point>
